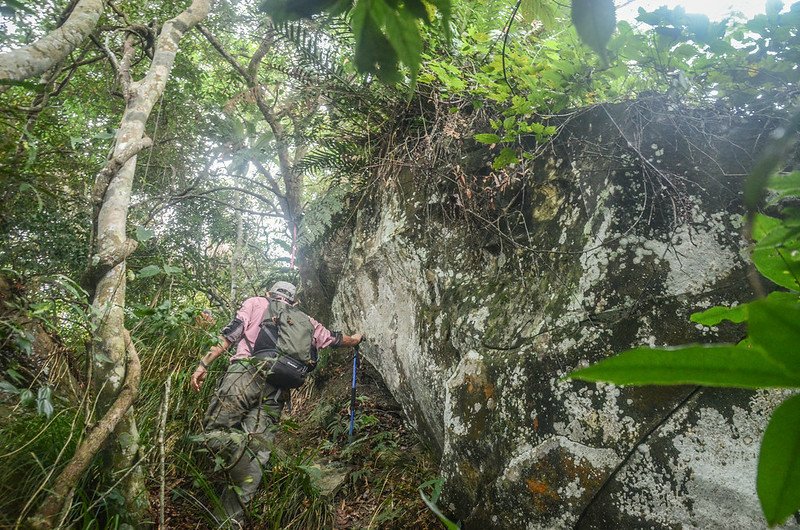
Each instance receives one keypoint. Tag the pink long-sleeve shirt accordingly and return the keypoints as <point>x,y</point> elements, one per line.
<point>250,315</point>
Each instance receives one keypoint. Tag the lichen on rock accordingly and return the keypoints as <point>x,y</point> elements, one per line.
<point>473,326</point>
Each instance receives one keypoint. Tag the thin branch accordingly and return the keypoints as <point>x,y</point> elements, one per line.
<point>217,45</point>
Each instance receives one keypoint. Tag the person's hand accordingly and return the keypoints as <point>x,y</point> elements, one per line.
<point>349,341</point>
<point>198,377</point>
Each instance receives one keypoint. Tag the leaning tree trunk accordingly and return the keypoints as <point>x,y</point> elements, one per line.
<point>112,195</point>
<point>37,58</point>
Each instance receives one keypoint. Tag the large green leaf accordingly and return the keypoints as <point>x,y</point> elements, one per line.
<point>541,10</point>
<point>710,365</point>
<point>487,138</point>
<point>775,326</point>
<point>716,314</point>
<point>595,21</point>
<point>402,32</point>
<point>506,157</point>
<point>150,270</point>
<point>374,53</point>
<point>143,234</point>
<point>778,483</point>
<point>764,224</point>
<point>737,314</point>
<point>777,256</point>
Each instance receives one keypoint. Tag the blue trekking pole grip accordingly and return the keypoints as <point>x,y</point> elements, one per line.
<point>353,396</point>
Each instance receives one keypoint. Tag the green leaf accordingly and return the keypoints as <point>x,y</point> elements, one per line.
<point>374,53</point>
<point>541,10</point>
<point>150,270</point>
<point>715,315</point>
<point>169,270</point>
<point>487,138</point>
<point>775,326</point>
<point>777,256</point>
<point>313,472</point>
<point>24,341</point>
<point>450,525</point>
<point>15,376</point>
<point>722,365</point>
<point>739,313</point>
<point>778,482</point>
<point>506,157</point>
<point>445,10</point>
<point>764,224</point>
<point>594,21</point>
<point>402,32</point>
<point>785,185</point>
<point>105,135</point>
<point>44,405</point>
<point>26,397</point>
<point>5,386</point>
<point>143,234</point>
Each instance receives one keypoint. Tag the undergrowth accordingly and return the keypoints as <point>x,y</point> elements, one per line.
<point>31,446</point>
<point>376,476</point>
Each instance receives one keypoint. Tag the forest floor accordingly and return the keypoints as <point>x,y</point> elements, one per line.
<point>317,478</point>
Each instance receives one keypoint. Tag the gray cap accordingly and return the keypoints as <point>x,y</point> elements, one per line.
<point>284,289</point>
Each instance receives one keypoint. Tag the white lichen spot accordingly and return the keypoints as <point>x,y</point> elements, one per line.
<point>711,479</point>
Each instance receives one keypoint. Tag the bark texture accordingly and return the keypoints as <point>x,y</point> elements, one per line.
<point>37,58</point>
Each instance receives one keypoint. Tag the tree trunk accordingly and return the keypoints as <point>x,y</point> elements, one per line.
<point>35,59</point>
<point>112,194</point>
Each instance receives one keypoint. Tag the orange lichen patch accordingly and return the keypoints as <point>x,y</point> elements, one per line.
<point>488,391</point>
<point>540,488</point>
<point>545,498</point>
<point>474,383</point>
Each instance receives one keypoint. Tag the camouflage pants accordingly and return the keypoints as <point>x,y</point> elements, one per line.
<point>238,427</point>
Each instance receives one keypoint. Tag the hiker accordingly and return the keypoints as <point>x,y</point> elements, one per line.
<point>277,345</point>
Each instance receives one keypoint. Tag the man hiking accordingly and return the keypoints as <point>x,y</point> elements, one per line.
<point>277,345</point>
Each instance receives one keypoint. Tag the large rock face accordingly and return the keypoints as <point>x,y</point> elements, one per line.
<point>480,295</point>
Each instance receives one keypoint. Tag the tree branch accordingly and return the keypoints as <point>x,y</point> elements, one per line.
<point>113,166</point>
<point>217,45</point>
<point>37,58</point>
<point>290,202</point>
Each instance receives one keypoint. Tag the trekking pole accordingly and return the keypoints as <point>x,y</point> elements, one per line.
<point>353,396</point>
